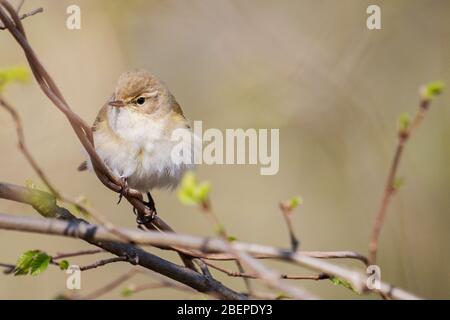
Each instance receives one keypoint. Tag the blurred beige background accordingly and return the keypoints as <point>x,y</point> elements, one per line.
<point>310,68</point>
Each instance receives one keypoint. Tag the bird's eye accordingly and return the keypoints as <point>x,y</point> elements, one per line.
<point>140,101</point>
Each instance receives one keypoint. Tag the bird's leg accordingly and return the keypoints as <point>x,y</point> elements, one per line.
<point>124,189</point>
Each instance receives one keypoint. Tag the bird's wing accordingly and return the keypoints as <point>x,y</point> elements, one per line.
<point>99,119</point>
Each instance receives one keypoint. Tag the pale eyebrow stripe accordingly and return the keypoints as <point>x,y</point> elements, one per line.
<point>147,95</point>
<point>151,94</point>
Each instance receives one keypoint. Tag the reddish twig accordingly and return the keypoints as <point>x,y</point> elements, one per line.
<point>231,273</point>
<point>25,15</point>
<point>390,189</point>
<point>286,210</point>
<point>103,262</point>
<point>100,218</point>
<point>81,129</point>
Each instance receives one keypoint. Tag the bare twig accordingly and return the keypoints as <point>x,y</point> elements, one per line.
<point>103,237</point>
<point>45,204</point>
<point>9,268</point>
<point>215,222</point>
<point>286,210</point>
<point>231,273</point>
<point>390,189</point>
<point>25,15</point>
<point>103,262</point>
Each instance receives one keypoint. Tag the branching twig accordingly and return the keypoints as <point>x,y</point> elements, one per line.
<point>81,129</point>
<point>45,204</point>
<point>404,133</point>
<point>25,15</point>
<point>215,222</point>
<point>103,262</point>
<point>40,172</point>
<point>231,273</point>
<point>92,233</point>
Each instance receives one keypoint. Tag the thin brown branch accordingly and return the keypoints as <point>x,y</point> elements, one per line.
<point>103,262</point>
<point>390,188</point>
<point>45,204</point>
<point>286,210</point>
<point>101,237</point>
<point>25,15</point>
<point>9,268</point>
<point>40,172</point>
<point>232,273</point>
<point>215,222</point>
<point>81,129</point>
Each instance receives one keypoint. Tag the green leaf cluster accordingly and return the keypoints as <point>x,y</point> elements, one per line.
<point>295,202</point>
<point>32,262</point>
<point>403,122</point>
<point>432,89</point>
<point>192,192</point>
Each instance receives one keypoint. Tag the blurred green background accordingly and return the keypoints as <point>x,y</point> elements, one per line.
<point>310,68</point>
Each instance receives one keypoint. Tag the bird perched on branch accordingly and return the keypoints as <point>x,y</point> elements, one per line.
<point>133,134</point>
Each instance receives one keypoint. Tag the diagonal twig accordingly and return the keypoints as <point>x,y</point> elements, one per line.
<point>390,189</point>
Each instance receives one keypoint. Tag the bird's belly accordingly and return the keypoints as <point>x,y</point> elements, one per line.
<point>146,166</point>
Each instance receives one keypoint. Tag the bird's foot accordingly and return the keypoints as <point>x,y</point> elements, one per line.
<point>143,220</point>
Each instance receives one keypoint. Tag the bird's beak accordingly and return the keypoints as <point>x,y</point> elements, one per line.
<point>117,103</point>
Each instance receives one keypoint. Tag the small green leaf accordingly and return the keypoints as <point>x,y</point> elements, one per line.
<point>404,120</point>
<point>232,238</point>
<point>40,264</point>
<point>432,89</point>
<point>13,74</point>
<point>32,262</point>
<point>64,264</point>
<point>24,262</point>
<point>295,202</point>
<point>202,191</point>
<point>339,282</point>
<point>191,192</point>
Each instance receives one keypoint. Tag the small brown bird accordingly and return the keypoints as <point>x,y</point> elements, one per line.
<point>133,133</point>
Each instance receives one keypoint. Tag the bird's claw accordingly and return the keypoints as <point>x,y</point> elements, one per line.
<point>124,188</point>
<point>144,220</point>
